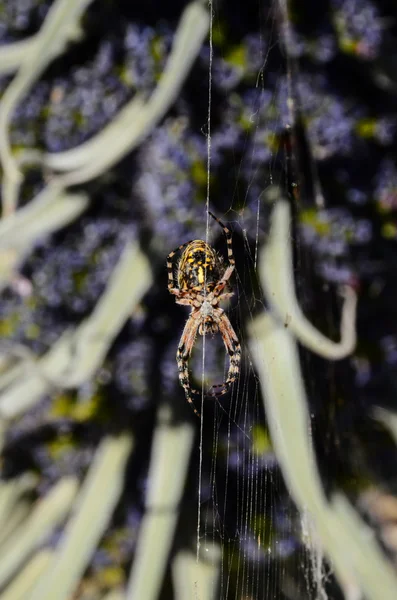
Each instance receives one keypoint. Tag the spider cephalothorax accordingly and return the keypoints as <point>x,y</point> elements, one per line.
<point>202,283</point>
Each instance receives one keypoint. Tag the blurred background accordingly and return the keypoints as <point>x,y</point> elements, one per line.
<point>121,124</point>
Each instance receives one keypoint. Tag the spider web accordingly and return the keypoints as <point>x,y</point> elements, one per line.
<point>283,138</point>
<point>268,532</point>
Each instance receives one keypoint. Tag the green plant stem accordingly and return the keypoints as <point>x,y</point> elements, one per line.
<point>170,457</point>
<point>93,510</point>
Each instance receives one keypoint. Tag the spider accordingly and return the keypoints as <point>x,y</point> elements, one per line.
<point>202,283</point>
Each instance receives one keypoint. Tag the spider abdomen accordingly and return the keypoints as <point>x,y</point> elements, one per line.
<point>199,266</point>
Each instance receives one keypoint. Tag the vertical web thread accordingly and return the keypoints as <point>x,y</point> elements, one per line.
<point>210,6</point>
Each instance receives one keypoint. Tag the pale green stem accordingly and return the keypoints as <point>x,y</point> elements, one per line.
<point>139,117</point>
<point>10,493</point>
<point>277,277</point>
<point>11,186</point>
<point>22,584</point>
<point>375,573</point>
<point>12,372</point>
<point>388,418</point>
<point>196,579</point>
<point>121,126</point>
<point>54,33</point>
<point>113,595</point>
<point>169,462</point>
<point>78,354</point>
<point>14,358</point>
<point>51,210</point>
<point>93,511</point>
<point>16,517</point>
<point>26,391</point>
<point>14,54</point>
<point>129,281</point>
<point>348,542</point>
<point>48,513</point>
<point>3,432</point>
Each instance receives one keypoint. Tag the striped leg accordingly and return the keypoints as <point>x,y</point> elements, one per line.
<point>233,348</point>
<point>228,235</point>
<point>182,357</point>
<point>229,336</point>
<point>223,282</point>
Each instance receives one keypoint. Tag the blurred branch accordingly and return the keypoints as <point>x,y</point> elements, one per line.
<point>169,461</point>
<point>388,418</point>
<point>122,127</point>
<point>340,530</point>
<point>55,32</point>
<point>130,280</point>
<point>136,120</point>
<point>196,579</point>
<point>49,211</point>
<point>13,55</point>
<point>356,540</point>
<point>94,507</point>
<point>113,595</point>
<point>48,513</point>
<point>276,359</point>
<point>11,491</point>
<point>79,353</point>
<point>11,185</point>
<point>276,271</point>
<point>19,513</point>
<point>14,358</point>
<point>26,390</point>
<point>22,584</point>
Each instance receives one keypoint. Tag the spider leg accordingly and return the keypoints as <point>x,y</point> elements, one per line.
<point>187,301</point>
<point>233,348</point>
<point>182,355</point>
<point>172,288</point>
<point>228,235</point>
<point>223,282</point>
<point>232,263</point>
<point>225,296</point>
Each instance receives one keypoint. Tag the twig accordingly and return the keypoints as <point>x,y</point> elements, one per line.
<point>139,117</point>
<point>22,584</point>
<point>194,579</point>
<point>79,353</point>
<point>276,271</point>
<point>49,512</point>
<point>53,35</point>
<point>170,456</point>
<point>95,503</point>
